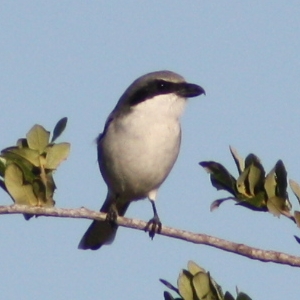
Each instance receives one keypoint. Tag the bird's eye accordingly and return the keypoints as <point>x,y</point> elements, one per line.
<point>162,85</point>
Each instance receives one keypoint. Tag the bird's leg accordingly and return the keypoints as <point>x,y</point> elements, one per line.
<point>154,224</point>
<point>112,214</point>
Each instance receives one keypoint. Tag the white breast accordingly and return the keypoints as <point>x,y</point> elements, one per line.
<point>141,147</point>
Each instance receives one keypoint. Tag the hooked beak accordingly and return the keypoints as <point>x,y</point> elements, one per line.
<point>190,90</point>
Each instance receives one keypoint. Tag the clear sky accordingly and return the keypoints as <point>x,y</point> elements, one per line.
<point>75,59</point>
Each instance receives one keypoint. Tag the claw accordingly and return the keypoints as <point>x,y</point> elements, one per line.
<point>154,224</point>
<point>112,214</point>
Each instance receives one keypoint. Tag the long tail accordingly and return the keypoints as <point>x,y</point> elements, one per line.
<point>102,232</point>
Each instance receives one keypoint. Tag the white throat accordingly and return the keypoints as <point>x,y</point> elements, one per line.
<point>161,106</point>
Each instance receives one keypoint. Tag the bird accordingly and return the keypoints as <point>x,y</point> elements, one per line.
<point>138,148</point>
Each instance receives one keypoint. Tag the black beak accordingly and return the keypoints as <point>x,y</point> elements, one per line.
<point>190,90</point>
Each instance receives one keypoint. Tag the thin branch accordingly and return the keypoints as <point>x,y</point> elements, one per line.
<point>197,238</point>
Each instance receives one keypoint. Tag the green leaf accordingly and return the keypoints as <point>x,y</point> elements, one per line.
<point>242,183</point>
<point>21,193</point>
<point>276,181</point>
<point>50,186</point>
<point>30,172</point>
<point>243,296</point>
<point>22,143</point>
<point>216,289</point>
<point>184,285</point>
<point>297,217</point>
<point>40,191</point>
<point>38,138</point>
<point>218,202</point>
<point>297,239</point>
<point>201,284</point>
<point>251,180</point>
<point>55,154</point>
<point>169,285</point>
<point>193,268</point>
<point>277,206</point>
<point>220,178</point>
<point>29,154</point>
<point>257,203</point>
<point>228,296</point>
<point>271,184</point>
<point>2,166</point>
<point>2,185</point>
<point>281,179</point>
<point>168,296</point>
<point>295,188</point>
<point>59,128</point>
<point>256,178</point>
<point>239,161</point>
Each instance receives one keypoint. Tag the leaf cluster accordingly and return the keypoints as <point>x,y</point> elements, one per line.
<point>253,188</point>
<point>26,170</point>
<point>197,284</point>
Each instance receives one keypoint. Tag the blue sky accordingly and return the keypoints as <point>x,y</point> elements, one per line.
<point>75,59</point>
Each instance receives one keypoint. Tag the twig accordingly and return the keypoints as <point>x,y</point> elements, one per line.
<point>197,238</point>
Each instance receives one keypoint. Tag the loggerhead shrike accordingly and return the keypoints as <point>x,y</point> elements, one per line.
<point>138,148</point>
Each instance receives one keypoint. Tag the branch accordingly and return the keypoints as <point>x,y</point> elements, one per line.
<point>197,238</point>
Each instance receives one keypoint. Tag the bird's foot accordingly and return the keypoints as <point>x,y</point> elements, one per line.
<point>112,215</point>
<point>153,226</point>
